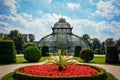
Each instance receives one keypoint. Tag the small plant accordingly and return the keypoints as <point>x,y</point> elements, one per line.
<point>86,54</point>
<point>32,54</point>
<point>61,60</point>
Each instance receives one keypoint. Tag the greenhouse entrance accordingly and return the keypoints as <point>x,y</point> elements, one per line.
<point>62,38</point>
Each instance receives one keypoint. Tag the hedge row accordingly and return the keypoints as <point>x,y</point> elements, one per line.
<point>21,76</point>
<point>112,55</point>
<point>7,52</point>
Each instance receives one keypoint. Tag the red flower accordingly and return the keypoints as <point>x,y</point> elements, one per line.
<point>52,70</point>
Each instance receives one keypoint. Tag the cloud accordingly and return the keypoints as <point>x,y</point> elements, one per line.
<point>12,5</point>
<point>42,26</point>
<point>107,9</point>
<point>73,6</point>
<point>27,23</point>
<point>48,1</point>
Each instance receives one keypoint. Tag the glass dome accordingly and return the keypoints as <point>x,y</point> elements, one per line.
<point>62,38</point>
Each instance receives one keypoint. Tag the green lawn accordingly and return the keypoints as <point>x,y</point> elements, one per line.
<point>21,59</point>
<point>98,59</point>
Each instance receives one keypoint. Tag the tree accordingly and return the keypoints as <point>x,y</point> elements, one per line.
<point>102,48</point>
<point>18,40</point>
<point>86,38</point>
<point>1,38</point>
<point>95,43</point>
<point>117,43</point>
<point>31,37</point>
<point>109,42</point>
<point>25,37</point>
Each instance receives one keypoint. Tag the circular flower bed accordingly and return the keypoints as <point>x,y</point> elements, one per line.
<point>50,72</point>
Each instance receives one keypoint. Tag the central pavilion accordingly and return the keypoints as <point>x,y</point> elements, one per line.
<point>62,38</point>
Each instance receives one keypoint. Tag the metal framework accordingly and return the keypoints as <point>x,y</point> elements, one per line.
<point>62,38</point>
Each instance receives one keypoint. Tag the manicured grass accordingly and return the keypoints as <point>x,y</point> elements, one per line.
<point>21,59</point>
<point>10,77</point>
<point>98,59</point>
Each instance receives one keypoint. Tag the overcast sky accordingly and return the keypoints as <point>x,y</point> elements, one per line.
<point>98,18</point>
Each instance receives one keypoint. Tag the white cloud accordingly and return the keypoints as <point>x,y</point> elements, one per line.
<point>39,12</point>
<point>73,6</point>
<point>48,1</point>
<point>92,2</point>
<point>12,5</point>
<point>42,26</point>
<point>107,9</point>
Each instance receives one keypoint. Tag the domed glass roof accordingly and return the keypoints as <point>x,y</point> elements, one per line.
<point>62,24</point>
<point>62,38</point>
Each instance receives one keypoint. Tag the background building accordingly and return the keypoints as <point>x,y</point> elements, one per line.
<point>62,38</point>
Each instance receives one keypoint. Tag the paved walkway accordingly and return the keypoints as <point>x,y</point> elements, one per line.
<point>5,69</point>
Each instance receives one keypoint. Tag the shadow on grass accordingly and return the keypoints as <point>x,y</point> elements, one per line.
<point>9,76</point>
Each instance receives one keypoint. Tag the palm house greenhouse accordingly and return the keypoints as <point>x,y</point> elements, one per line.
<point>62,38</point>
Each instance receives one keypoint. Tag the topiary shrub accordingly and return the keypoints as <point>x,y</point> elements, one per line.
<point>77,51</point>
<point>32,54</point>
<point>45,50</point>
<point>119,50</point>
<point>86,54</point>
<point>112,55</point>
<point>7,52</point>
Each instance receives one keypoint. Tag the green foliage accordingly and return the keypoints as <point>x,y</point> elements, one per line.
<point>18,40</point>
<point>7,52</point>
<point>61,61</point>
<point>97,51</point>
<point>45,50</point>
<point>32,54</point>
<point>27,44</point>
<point>112,55</point>
<point>77,51</point>
<point>119,49</point>
<point>86,54</point>
<point>18,75</point>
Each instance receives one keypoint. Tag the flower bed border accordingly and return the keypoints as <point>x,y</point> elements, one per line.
<point>100,76</point>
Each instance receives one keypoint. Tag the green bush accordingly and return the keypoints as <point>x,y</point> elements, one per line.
<point>86,54</point>
<point>77,51</point>
<point>7,52</point>
<point>27,44</point>
<point>32,54</point>
<point>118,49</point>
<point>18,75</point>
<point>45,50</point>
<point>112,55</point>
<point>97,51</point>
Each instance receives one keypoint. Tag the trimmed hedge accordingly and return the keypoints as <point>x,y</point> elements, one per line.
<point>100,76</point>
<point>77,51</point>
<point>119,50</point>
<point>32,54</point>
<point>112,55</point>
<point>86,54</point>
<point>7,52</point>
<point>45,50</point>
